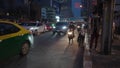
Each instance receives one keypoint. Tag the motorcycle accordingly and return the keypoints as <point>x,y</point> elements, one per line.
<point>70,35</point>
<point>78,28</point>
<point>81,37</point>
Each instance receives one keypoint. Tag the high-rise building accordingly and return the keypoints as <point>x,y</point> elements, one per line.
<point>66,10</point>
<point>117,5</point>
<point>76,9</point>
<point>15,8</point>
<point>57,6</point>
<point>87,7</point>
<point>84,9</point>
<point>50,12</point>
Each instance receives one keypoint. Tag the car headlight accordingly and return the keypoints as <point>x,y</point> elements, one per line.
<point>64,27</point>
<point>54,27</point>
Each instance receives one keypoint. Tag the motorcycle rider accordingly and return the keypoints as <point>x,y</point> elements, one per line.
<point>71,32</point>
<point>81,37</point>
<point>70,35</point>
<point>78,27</point>
<point>72,27</point>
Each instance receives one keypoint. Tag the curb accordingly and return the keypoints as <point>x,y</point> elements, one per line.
<point>87,59</point>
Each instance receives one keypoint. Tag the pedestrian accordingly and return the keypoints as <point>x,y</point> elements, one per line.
<point>113,30</point>
<point>94,31</point>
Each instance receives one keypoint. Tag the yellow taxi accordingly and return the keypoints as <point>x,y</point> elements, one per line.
<point>14,40</point>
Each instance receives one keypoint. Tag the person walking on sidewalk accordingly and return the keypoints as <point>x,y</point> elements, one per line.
<point>94,31</point>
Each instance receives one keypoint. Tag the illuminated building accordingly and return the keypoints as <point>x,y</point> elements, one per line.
<point>66,10</point>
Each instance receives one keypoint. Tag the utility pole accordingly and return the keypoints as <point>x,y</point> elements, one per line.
<point>29,2</point>
<point>108,9</point>
<point>88,8</point>
<point>29,6</point>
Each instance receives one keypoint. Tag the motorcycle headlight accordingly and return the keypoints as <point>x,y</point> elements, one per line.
<point>78,26</point>
<point>69,33</point>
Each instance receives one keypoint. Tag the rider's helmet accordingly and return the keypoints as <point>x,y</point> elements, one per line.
<point>71,22</point>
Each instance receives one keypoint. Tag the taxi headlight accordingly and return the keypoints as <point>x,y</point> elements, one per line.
<point>31,39</point>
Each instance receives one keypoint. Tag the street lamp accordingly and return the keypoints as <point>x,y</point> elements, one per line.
<point>7,14</point>
<point>81,6</point>
<point>29,6</point>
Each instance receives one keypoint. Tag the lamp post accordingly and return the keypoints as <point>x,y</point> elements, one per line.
<point>29,8</point>
<point>81,6</point>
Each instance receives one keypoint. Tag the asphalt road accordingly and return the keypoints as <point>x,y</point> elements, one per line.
<point>50,51</point>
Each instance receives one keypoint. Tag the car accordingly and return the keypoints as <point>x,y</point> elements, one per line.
<point>34,27</point>
<point>61,27</point>
<point>14,40</point>
<point>48,27</point>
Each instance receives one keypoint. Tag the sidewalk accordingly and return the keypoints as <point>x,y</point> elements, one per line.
<point>87,59</point>
<point>96,60</point>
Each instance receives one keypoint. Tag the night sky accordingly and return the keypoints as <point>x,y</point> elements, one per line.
<point>75,5</point>
<point>75,8</point>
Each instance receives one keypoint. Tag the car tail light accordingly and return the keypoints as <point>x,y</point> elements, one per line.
<point>45,27</point>
<point>50,27</point>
